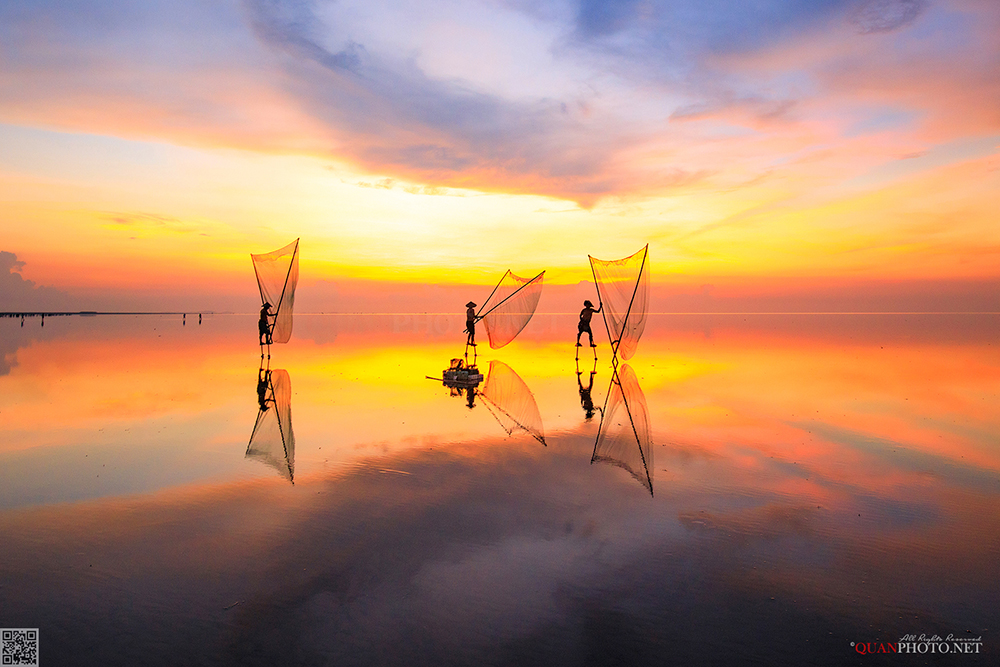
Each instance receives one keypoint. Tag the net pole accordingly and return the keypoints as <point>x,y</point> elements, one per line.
<point>488,409</point>
<point>511,295</point>
<point>638,441</point>
<point>281,431</point>
<point>256,425</point>
<point>492,293</point>
<point>604,317</point>
<point>486,397</point>
<point>635,289</point>
<point>260,413</point>
<point>509,416</point>
<point>257,276</point>
<point>604,410</point>
<point>284,286</point>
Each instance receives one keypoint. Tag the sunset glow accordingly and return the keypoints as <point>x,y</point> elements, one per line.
<point>294,371</point>
<point>147,148</point>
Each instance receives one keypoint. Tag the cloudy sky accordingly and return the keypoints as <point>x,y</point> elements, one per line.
<point>148,146</point>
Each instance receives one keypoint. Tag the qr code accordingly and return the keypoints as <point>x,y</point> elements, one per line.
<point>19,646</point>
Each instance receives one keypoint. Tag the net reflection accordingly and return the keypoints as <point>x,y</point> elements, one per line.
<point>624,438</point>
<point>504,394</point>
<point>513,404</point>
<point>273,441</point>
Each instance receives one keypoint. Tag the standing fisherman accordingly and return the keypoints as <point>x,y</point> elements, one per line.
<point>584,326</point>
<point>264,325</point>
<point>470,323</point>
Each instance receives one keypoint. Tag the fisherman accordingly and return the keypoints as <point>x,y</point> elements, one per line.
<point>263,379</point>
<point>264,325</point>
<point>584,326</point>
<point>586,402</point>
<point>470,323</point>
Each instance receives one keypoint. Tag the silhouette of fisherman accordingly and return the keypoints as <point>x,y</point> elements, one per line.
<point>263,379</point>
<point>586,402</point>
<point>584,326</point>
<point>264,325</point>
<point>470,323</point>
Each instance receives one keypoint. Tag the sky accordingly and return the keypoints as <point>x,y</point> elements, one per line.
<point>762,148</point>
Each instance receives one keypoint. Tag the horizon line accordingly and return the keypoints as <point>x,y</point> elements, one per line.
<point>91,313</point>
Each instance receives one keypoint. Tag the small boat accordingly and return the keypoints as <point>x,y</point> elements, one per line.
<point>461,375</point>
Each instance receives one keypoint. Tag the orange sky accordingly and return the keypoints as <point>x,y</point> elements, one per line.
<point>824,145</point>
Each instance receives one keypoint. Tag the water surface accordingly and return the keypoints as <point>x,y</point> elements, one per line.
<point>810,481</point>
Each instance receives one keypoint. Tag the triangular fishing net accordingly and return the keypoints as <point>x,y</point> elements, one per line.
<point>277,275</point>
<point>513,403</point>
<point>273,441</point>
<point>623,286</point>
<point>509,309</point>
<point>624,439</point>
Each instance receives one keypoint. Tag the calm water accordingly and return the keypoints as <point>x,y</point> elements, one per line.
<point>816,481</point>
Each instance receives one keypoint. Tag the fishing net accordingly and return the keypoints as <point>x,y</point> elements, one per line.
<point>623,286</point>
<point>277,275</point>
<point>510,307</point>
<point>624,439</point>
<point>273,441</point>
<point>513,403</point>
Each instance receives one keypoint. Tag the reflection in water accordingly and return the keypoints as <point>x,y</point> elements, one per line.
<point>510,401</point>
<point>504,393</point>
<point>624,437</point>
<point>272,440</point>
<point>835,477</point>
<point>461,376</point>
<point>586,402</point>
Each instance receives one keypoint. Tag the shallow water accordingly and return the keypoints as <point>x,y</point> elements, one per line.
<point>811,481</point>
